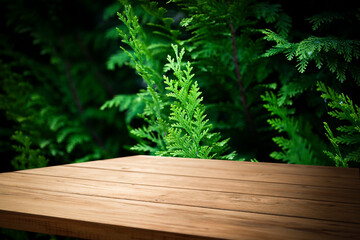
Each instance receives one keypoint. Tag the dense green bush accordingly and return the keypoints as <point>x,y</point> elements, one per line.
<point>69,93</point>
<point>54,79</point>
<point>245,83</point>
<point>240,80</point>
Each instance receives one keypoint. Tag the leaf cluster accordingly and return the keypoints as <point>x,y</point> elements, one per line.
<point>336,58</point>
<point>53,81</point>
<point>347,139</point>
<point>297,139</point>
<point>190,133</point>
<point>339,55</point>
<point>156,106</point>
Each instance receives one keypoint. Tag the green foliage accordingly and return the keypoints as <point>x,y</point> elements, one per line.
<point>331,55</point>
<point>60,74</point>
<point>227,56</point>
<point>142,59</point>
<point>325,18</point>
<point>337,53</point>
<point>346,143</point>
<point>320,50</point>
<point>44,126</point>
<point>53,80</point>
<point>230,98</point>
<point>190,134</point>
<point>131,103</point>
<point>296,148</point>
<point>170,136</point>
<point>28,158</point>
<point>224,48</point>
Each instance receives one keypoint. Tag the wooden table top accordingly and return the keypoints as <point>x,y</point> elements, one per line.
<point>145,197</point>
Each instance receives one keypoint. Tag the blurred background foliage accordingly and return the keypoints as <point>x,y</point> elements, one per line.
<point>270,72</point>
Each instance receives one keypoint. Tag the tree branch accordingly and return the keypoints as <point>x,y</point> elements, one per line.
<point>78,103</point>
<point>239,79</point>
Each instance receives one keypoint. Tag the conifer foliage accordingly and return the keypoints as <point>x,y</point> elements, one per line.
<point>53,80</point>
<point>243,77</point>
<point>151,136</point>
<point>346,143</point>
<point>335,57</point>
<point>174,116</point>
<point>190,133</point>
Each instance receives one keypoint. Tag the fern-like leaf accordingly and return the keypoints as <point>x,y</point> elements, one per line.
<point>189,135</point>
<point>346,143</point>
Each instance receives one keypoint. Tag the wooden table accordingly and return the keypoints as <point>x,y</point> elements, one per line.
<point>144,197</point>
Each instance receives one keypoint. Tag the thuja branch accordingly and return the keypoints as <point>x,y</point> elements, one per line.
<point>72,87</point>
<point>76,97</point>
<point>238,76</point>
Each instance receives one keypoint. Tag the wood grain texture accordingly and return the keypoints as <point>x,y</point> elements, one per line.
<point>143,197</point>
<point>325,210</point>
<point>211,184</point>
<point>267,172</point>
<point>228,166</point>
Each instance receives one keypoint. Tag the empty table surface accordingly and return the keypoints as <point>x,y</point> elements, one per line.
<point>146,197</point>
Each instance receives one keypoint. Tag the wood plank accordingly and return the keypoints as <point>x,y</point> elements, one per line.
<point>323,210</point>
<point>208,184</point>
<point>160,217</point>
<point>241,172</point>
<point>83,229</point>
<point>274,177</point>
<point>224,165</point>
